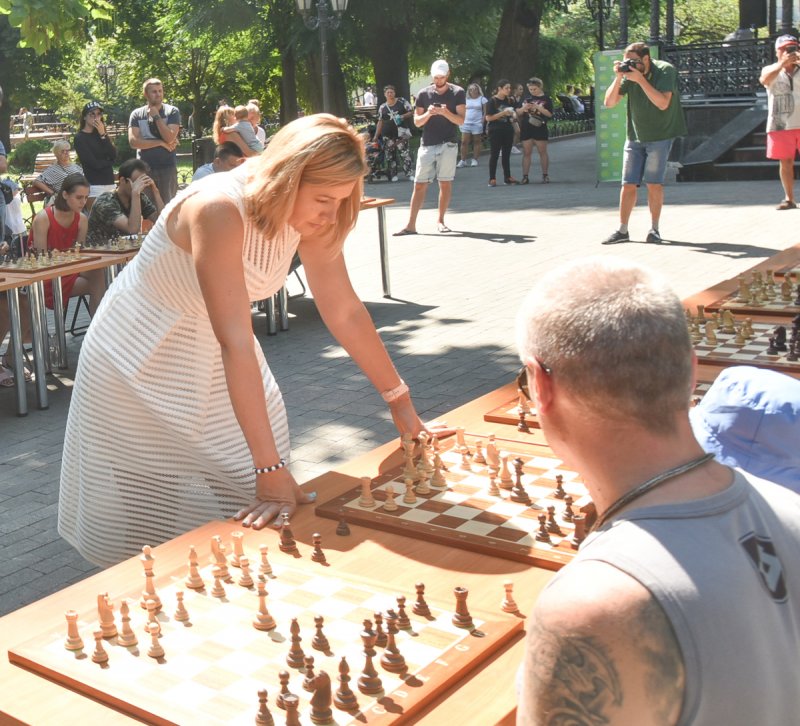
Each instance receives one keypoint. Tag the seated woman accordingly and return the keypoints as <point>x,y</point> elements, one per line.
<point>49,181</point>
<point>63,226</point>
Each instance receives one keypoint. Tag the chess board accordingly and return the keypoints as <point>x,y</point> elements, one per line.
<point>776,306</point>
<point>727,353</point>
<point>47,266</point>
<point>122,246</point>
<point>214,664</point>
<point>465,515</point>
<point>508,412</point>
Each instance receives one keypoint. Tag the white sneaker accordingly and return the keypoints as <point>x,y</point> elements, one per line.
<point>515,150</point>
<point>473,162</point>
<point>460,164</point>
<point>394,178</point>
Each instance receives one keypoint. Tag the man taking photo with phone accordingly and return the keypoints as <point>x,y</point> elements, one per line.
<point>783,119</point>
<point>655,118</point>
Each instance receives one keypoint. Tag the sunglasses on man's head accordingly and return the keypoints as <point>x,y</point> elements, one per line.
<point>522,378</point>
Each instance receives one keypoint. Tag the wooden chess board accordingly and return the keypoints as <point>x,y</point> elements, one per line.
<point>726,352</point>
<point>122,246</point>
<point>214,665</point>
<point>47,266</point>
<point>508,412</point>
<point>465,515</point>
<point>772,306</point>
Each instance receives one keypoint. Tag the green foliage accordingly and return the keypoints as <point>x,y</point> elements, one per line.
<point>23,157</point>
<point>124,150</point>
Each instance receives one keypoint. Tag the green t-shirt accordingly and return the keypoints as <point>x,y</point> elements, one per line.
<point>646,122</point>
<point>105,211</point>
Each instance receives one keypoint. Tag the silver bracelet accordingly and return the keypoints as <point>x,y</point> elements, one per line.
<point>268,469</point>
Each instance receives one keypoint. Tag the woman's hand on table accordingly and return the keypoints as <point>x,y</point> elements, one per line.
<point>277,492</point>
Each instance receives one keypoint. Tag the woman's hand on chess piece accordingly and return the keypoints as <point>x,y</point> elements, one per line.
<point>276,492</point>
<point>408,421</point>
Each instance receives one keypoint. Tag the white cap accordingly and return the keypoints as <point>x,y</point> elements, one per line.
<point>440,68</point>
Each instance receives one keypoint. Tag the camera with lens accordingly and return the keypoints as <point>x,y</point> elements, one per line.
<point>627,65</point>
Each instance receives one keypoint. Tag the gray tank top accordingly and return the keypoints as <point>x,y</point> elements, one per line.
<point>729,583</point>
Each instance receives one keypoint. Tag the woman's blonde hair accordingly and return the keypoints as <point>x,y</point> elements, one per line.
<point>220,121</point>
<point>60,145</point>
<point>321,150</point>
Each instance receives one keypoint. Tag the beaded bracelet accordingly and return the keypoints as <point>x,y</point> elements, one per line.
<point>268,469</point>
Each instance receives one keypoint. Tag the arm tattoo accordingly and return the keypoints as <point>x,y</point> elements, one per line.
<point>576,680</point>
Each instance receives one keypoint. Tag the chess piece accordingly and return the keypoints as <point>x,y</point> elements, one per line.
<point>287,543</point>
<point>308,681</point>
<point>492,455</point>
<point>461,617</point>
<point>410,496</point>
<point>181,613</point>
<point>344,699</point>
<point>126,637</point>
<point>403,621</point>
<point>380,633</point>
<point>155,650</point>
<point>392,660</point>
<point>552,524</point>
<point>218,590</point>
<point>193,580</point>
<point>264,567</point>
<point>149,592</point>
<point>245,578</point>
<point>461,442</point>
<point>506,482</point>
<point>479,458</point>
<point>283,678</point>
<point>727,321</point>
<point>437,478</point>
<point>518,493</point>
<point>494,490</point>
<point>780,338</point>
<point>342,529</point>
<point>100,655</point>
<point>542,535</point>
<point>105,611</point>
<point>292,703</point>
<point>389,504</point>
<point>320,641</point>
<point>317,554</point>
<point>369,682</point>
<point>568,513</point>
<point>409,471</point>
<point>711,336</point>
<point>296,657</point>
<point>321,700</point>
<point>73,640</point>
<point>238,548</point>
<point>739,339</point>
<point>152,616</point>
<point>559,493</point>
<point>508,605</point>
<point>772,348</point>
<point>420,606</point>
<point>263,717</point>
<point>366,501</point>
<point>422,488</point>
<point>263,620</point>
<point>220,568</point>
<point>580,531</point>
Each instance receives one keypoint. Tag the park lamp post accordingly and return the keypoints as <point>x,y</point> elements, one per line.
<point>106,71</point>
<point>601,11</point>
<point>323,20</point>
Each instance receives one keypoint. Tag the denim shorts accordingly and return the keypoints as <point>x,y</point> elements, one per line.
<point>436,162</point>
<point>645,161</point>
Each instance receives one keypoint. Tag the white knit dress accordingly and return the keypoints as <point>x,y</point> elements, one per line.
<point>152,447</point>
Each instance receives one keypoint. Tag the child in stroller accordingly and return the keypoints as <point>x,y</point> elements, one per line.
<point>387,157</point>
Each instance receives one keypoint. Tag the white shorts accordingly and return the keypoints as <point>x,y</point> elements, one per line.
<point>436,162</point>
<point>474,129</point>
<point>95,190</point>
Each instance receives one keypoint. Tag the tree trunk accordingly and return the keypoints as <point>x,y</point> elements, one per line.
<point>288,110</point>
<point>388,50</point>
<point>516,50</point>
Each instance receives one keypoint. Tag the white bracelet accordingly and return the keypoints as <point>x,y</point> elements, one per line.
<point>393,394</point>
<point>268,469</point>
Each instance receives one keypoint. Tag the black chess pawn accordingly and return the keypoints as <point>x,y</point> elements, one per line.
<point>263,717</point>
<point>568,513</point>
<point>771,349</point>
<point>794,350</point>
<point>552,524</point>
<point>308,681</point>
<point>559,493</point>
<point>343,698</point>
<point>522,424</point>
<point>542,535</point>
<point>380,634</point>
<point>283,677</point>
<point>342,529</point>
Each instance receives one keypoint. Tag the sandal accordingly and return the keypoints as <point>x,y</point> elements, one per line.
<point>510,180</point>
<point>524,179</point>
<point>404,232</point>
<point>492,182</point>
<point>442,227</point>
<point>6,377</point>
<point>545,179</point>
<point>6,365</point>
<point>786,204</point>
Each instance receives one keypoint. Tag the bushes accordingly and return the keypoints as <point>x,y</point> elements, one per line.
<point>124,150</point>
<point>23,157</point>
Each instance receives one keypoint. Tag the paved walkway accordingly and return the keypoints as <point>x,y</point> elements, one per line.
<point>449,326</point>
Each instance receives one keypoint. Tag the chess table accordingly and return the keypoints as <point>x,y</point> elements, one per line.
<point>386,559</point>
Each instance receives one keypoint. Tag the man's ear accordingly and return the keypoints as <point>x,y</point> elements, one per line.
<point>540,384</point>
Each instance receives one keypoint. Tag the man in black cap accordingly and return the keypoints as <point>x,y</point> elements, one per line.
<point>96,151</point>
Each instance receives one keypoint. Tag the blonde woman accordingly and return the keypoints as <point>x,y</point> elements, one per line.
<point>472,128</point>
<point>222,118</point>
<point>175,417</point>
<point>49,181</point>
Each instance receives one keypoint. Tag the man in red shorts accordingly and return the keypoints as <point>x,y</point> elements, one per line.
<point>783,122</point>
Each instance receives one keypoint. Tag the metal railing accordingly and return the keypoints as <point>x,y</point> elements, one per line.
<point>730,68</point>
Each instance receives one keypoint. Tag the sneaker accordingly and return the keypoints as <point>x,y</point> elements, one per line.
<point>511,180</point>
<point>786,204</point>
<point>474,162</point>
<point>617,237</point>
<point>515,150</point>
<point>525,179</point>
<point>653,237</point>
<point>460,164</point>
<point>492,182</point>
<point>394,178</point>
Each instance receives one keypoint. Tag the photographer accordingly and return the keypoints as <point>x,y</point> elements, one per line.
<point>655,118</point>
<point>783,120</point>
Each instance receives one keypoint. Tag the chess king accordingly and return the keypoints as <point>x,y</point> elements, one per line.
<point>683,604</point>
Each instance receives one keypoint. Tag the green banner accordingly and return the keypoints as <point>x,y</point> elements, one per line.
<point>611,124</point>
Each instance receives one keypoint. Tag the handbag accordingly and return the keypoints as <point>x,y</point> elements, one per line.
<point>535,120</point>
<point>8,192</point>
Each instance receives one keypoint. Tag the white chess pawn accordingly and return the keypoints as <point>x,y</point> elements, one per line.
<point>410,496</point>
<point>390,505</point>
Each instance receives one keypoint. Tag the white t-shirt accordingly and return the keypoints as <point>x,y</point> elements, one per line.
<point>783,101</point>
<point>369,98</point>
<point>474,115</point>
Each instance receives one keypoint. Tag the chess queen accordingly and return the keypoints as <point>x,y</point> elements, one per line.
<point>175,416</point>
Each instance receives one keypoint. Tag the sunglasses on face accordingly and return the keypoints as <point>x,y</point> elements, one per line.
<point>522,378</point>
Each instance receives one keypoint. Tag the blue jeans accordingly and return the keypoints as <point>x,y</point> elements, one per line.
<point>645,161</point>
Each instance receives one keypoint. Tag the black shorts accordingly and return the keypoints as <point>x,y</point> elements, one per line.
<point>529,131</point>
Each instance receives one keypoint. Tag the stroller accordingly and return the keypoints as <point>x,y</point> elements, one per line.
<point>386,157</point>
